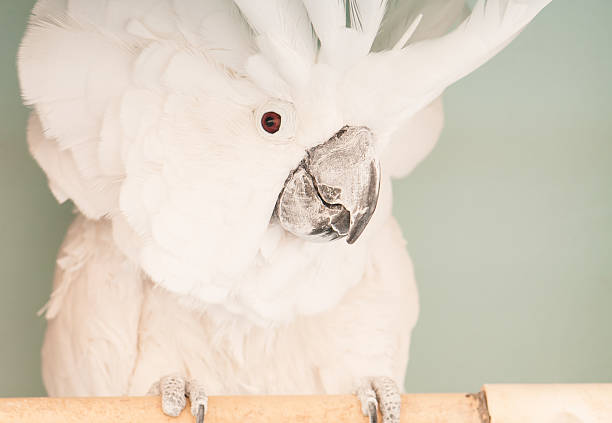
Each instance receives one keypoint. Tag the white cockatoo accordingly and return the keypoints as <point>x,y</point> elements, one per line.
<point>219,154</point>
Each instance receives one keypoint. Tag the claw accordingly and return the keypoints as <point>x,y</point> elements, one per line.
<point>373,412</point>
<point>175,390</point>
<point>201,412</point>
<point>380,393</point>
<point>198,398</point>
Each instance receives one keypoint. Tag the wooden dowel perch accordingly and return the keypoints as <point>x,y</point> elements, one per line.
<point>495,404</point>
<point>252,409</point>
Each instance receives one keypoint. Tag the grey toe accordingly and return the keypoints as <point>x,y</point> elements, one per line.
<point>173,395</point>
<point>380,393</point>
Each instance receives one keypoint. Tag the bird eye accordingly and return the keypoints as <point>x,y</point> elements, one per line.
<point>271,122</point>
<point>276,120</point>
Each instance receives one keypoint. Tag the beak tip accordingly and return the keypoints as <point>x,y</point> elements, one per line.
<point>359,226</point>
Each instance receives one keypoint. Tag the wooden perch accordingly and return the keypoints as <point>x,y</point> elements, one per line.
<point>495,404</point>
<point>420,408</point>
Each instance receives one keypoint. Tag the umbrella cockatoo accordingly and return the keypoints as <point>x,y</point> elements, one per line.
<point>230,162</point>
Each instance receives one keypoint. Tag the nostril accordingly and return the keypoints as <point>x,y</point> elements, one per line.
<point>341,131</point>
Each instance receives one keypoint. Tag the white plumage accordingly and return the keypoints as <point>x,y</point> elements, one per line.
<point>145,115</point>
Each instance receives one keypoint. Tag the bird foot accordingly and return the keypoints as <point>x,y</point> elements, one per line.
<point>380,393</point>
<point>175,390</point>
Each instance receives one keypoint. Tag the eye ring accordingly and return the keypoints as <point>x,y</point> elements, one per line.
<point>275,120</point>
<point>271,122</point>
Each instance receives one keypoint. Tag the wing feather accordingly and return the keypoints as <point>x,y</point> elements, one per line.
<point>91,344</point>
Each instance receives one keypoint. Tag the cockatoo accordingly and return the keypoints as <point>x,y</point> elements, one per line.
<point>230,163</point>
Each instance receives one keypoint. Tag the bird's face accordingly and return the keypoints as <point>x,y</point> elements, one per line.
<point>233,163</point>
<point>233,185</point>
<point>332,191</point>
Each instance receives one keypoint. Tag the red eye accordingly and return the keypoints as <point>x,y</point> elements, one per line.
<point>271,122</point>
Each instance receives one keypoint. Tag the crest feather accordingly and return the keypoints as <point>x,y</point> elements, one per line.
<point>284,21</point>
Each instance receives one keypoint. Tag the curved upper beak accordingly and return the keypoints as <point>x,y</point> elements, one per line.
<point>334,190</point>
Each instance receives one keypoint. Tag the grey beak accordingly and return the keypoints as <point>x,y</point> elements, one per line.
<point>333,192</point>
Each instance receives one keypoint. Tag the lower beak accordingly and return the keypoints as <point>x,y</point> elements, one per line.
<point>334,190</point>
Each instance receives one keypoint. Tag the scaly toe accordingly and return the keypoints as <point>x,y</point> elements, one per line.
<point>389,399</point>
<point>367,397</point>
<point>198,399</point>
<point>173,394</point>
<point>380,393</point>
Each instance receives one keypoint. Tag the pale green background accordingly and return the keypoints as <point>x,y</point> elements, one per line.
<point>509,221</point>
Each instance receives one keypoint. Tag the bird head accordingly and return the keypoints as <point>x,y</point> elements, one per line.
<point>233,147</point>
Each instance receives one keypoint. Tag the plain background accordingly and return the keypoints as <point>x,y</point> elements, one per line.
<point>509,221</point>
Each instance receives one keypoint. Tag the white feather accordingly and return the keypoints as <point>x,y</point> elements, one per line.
<point>93,316</point>
<point>342,46</point>
<point>413,140</point>
<point>94,196</point>
<point>284,21</point>
<point>408,34</point>
<point>439,17</point>
<point>421,71</point>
